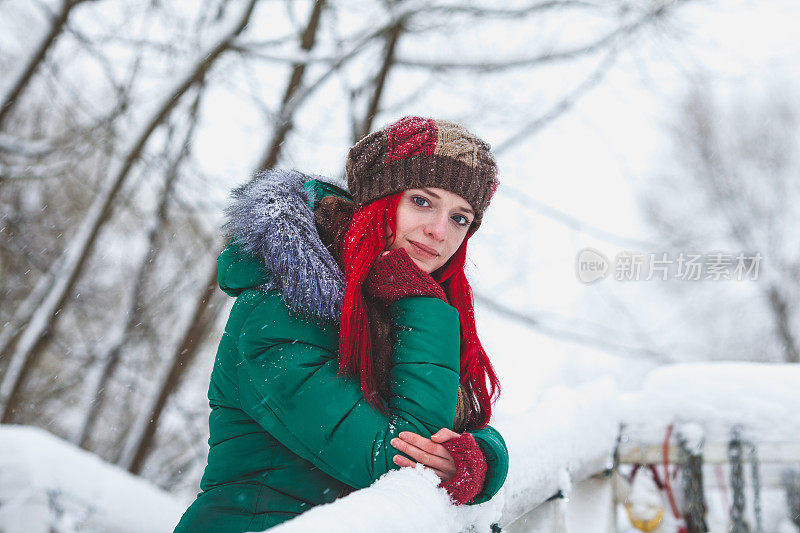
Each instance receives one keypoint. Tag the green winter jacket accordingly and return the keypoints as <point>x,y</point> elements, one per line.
<point>287,433</point>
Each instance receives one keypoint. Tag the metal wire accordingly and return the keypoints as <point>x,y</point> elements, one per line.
<point>738,524</point>
<point>692,482</point>
<point>791,482</point>
<point>754,472</point>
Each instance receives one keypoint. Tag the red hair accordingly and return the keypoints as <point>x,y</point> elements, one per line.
<point>365,239</point>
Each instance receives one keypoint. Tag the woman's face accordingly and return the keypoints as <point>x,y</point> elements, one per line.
<point>431,224</point>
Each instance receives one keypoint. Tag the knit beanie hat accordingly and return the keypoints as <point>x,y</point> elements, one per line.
<point>417,152</point>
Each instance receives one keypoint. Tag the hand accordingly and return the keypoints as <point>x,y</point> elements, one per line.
<point>429,452</point>
<point>394,275</point>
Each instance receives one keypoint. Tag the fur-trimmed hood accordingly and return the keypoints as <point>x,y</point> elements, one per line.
<point>275,244</point>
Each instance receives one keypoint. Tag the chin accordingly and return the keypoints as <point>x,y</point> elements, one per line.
<point>423,266</point>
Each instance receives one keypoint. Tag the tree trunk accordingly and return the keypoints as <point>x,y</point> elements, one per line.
<point>144,429</point>
<point>380,81</point>
<point>284,125</point>
<point>111,356</point>
<point>781,313</point>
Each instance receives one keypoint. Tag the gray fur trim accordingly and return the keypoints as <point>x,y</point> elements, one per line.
<point>270,218</point>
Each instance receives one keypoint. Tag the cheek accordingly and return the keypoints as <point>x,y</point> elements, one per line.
<point>390,240</point>
<point>403,219</point>
<point>453,242</point>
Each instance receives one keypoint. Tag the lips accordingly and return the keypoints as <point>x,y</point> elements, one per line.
<point>424,250</point>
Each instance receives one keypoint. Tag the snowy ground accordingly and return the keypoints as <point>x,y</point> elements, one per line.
<point>48,485</point>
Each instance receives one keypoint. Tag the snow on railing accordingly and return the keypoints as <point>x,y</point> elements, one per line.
<point>569,436</point>
<point>560,447</point>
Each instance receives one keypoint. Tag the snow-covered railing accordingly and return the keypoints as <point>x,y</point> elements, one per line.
<point>555,448</point>
<point>713,453</point>
<point>563,445</point>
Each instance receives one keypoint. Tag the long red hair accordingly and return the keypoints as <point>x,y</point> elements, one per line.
<point>365,239</point>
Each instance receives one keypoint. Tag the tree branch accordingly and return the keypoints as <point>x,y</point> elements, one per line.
<point>603,344</point>
<point>494,65</point>
<point>25,75</point>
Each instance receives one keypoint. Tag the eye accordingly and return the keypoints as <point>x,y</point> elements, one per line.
<point>461,220</point>
<point>420,201</point>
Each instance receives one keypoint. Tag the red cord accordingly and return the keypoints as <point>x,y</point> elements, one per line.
<point>723,488</point>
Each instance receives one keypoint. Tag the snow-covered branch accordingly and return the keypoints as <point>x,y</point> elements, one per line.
<point>510,12</point>
<point>576,52</point>
<point>12,145</point>
<point>571,333</point>
<point>29,67</point>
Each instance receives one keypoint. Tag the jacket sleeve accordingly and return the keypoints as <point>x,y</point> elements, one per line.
<point>495,452</point>
<point>288,383</point>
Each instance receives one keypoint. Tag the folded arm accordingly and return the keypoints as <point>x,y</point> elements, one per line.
<point>288,383</point>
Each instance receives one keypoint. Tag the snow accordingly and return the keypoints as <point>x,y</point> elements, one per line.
<point>560,439</point>
<point>401,501</point>
<point>762,398</point>
<point>693,436</point>
<point>646,496</point>
<point>47,484</point>
<point>568,431</point>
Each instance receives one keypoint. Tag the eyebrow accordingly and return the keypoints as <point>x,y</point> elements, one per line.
<point>428,191</point>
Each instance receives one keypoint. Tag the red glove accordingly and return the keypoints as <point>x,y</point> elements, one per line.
<point>395,275</point>
<point>470,469</point>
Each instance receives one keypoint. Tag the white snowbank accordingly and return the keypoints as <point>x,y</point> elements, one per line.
<point>47,484</point>
<point>762,398</point>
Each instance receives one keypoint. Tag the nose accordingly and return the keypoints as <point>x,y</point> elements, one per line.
<point>436,228</point>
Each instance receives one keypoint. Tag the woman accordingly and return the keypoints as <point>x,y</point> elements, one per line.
<point>351,348</point>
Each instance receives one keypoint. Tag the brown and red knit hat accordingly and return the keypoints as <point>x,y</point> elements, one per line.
<point>417,152</point>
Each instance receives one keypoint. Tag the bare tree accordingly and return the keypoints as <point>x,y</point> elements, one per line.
<point>44,318</point>
<point>737,161</point>
<point>112,350</point>
<point>284,121</point>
